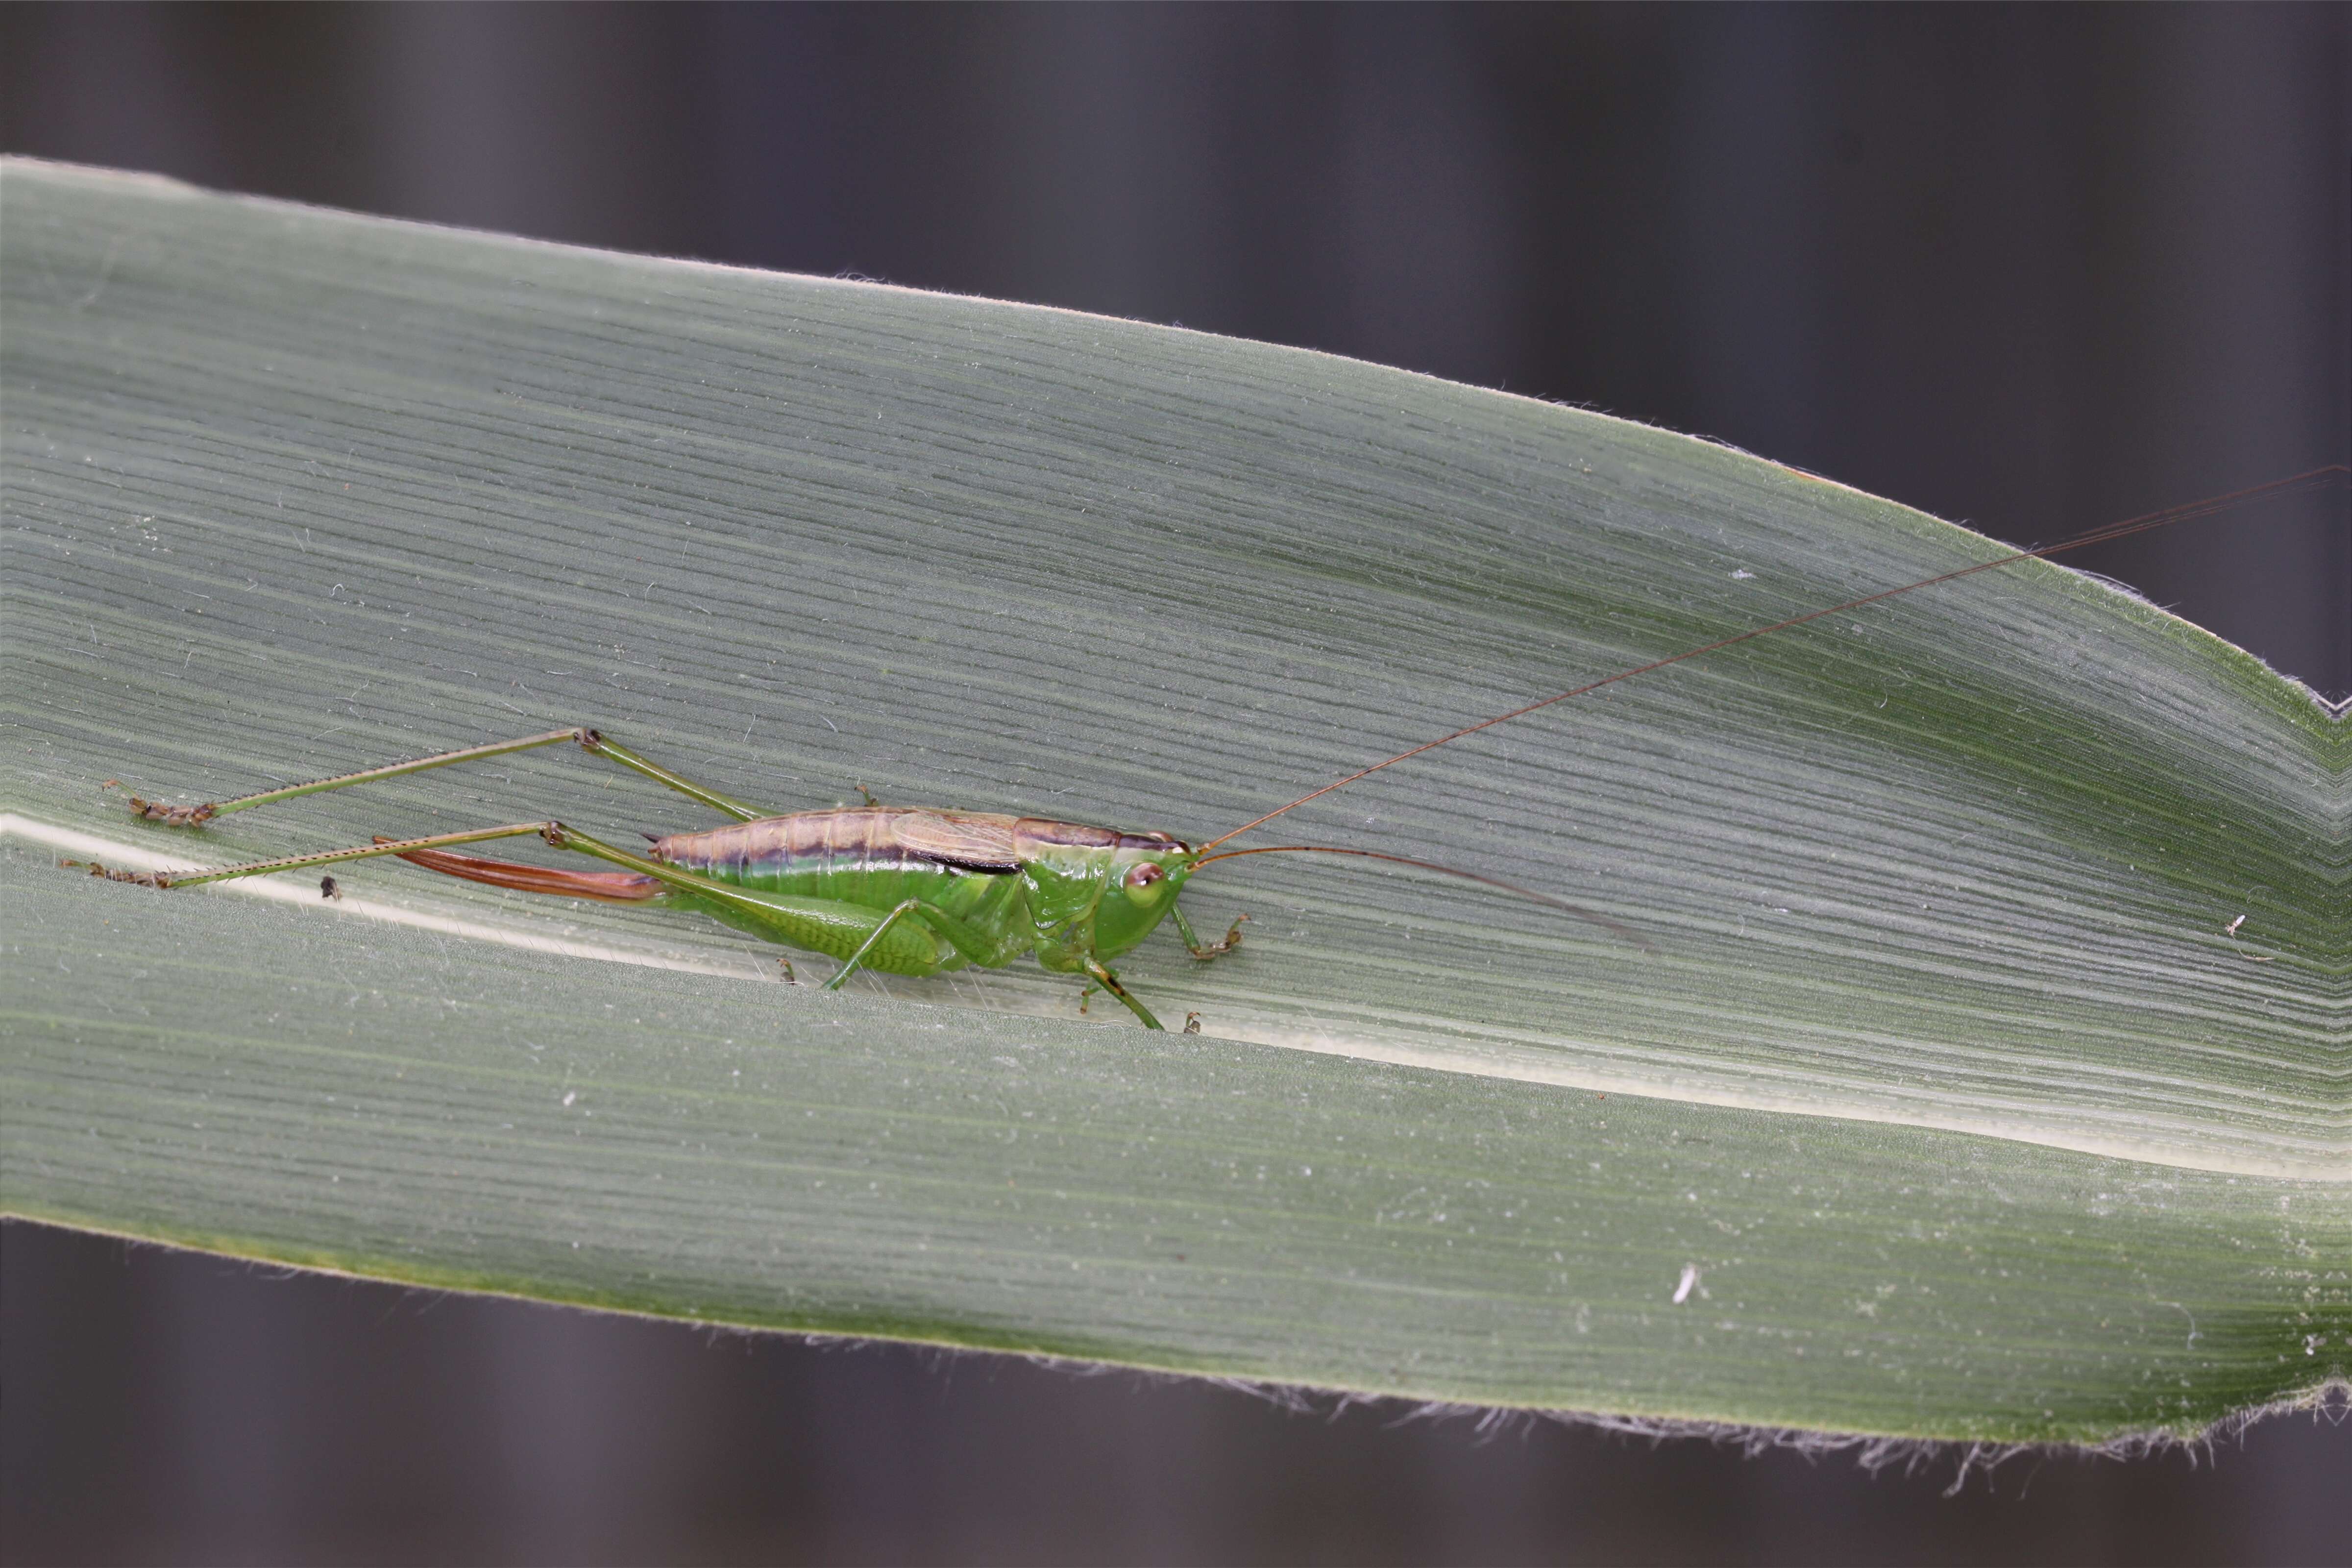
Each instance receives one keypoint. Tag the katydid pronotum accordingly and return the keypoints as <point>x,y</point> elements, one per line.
<point>920,891</point>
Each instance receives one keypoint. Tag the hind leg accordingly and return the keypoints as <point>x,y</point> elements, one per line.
<point>323,858</point>
<point>590,741</point>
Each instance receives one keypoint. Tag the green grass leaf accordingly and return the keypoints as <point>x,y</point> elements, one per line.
<point>1945,1099</point>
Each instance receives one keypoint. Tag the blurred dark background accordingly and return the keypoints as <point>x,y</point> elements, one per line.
<point>2030,268</point>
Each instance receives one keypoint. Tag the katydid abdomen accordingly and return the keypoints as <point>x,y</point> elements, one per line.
<point>958,864</point>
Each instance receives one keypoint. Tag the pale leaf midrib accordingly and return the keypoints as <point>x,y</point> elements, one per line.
<point>2312,1158</point>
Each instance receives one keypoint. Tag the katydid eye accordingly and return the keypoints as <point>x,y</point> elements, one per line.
<point>1144,876</point>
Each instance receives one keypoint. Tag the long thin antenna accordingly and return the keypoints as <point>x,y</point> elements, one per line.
<point>2310,479</point>
<point>1578,911</point>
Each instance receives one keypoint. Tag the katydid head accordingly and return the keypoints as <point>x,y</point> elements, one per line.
<point>1147,871</point>
<point>1095,891</point>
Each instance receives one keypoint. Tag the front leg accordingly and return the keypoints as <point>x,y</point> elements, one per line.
<point>1214,950</point>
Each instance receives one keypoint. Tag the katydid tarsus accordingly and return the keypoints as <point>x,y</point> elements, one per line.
<point>920,891</point>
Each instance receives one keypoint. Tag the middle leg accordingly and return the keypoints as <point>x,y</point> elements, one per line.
<point>1109,982</point>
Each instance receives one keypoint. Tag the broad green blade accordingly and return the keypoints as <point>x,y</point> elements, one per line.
<point>1944,1091</point>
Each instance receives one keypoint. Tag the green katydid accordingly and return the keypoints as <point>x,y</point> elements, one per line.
<point>918,892</point>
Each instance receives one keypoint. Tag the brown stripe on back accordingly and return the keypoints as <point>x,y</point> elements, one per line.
<point>1044,833</point>
<point>1047,834</point>
<point>971,840</point>
<point>863,837</point>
